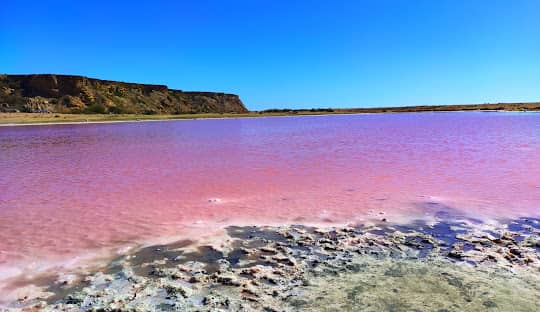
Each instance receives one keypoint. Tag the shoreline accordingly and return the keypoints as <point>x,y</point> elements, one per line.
<point>25,119</point>
<point>268,267</point>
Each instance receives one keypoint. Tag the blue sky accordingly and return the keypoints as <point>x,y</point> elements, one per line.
<point>297,54</point>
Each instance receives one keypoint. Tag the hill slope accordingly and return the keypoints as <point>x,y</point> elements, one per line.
<point>78,94</point>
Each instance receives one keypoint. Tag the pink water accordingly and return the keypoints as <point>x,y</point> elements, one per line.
<point>67,190</point>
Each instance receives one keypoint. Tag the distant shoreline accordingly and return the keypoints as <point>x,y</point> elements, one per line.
<point>20,119</point>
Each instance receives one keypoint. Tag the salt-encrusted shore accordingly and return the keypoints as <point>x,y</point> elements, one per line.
<point>448,265</point>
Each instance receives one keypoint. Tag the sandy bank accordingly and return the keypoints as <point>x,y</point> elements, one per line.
<point>26,119</point>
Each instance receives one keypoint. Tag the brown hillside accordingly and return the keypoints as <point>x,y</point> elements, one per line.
<point>78,94</point>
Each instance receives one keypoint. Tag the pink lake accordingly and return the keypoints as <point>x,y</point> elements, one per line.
<point>72,192</point>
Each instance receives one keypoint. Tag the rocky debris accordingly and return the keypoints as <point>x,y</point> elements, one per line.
<point>268,268</point>
<point>504,249</point>
<point>77,94</point>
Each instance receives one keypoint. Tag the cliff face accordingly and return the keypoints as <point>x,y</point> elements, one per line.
<point>77,94</point>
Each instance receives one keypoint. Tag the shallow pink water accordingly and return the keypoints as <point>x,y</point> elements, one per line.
<point>68,189</point>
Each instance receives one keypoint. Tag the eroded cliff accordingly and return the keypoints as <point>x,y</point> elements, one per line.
<point>78,94</point>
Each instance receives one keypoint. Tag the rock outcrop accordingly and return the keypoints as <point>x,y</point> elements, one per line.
<point>78,94</point>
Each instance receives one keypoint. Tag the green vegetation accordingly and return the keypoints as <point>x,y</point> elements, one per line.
<point>96,109</point>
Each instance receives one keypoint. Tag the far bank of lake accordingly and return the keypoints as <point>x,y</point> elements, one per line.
<point>54,118</point>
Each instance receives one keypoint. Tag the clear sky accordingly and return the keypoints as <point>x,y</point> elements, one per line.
<point>296,54</point>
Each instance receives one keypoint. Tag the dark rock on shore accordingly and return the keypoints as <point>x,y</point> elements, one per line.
<point>295,268</point>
